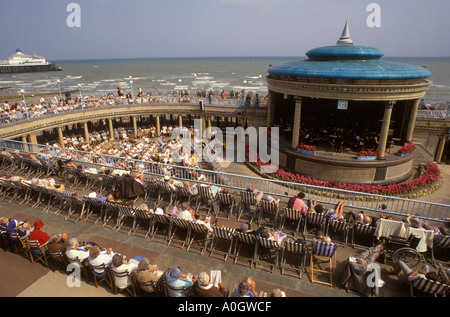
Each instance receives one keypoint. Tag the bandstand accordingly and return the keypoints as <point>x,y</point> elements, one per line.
<point>352,84</point>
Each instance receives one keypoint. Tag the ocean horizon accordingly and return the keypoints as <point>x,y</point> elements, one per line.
<point>170,74</point>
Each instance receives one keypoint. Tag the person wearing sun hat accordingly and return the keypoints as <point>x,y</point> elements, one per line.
<point>175,279</point>
<point>37,233</point>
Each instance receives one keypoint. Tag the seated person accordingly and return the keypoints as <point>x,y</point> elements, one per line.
<point>338,214</point>
<point>176,279</point>
<point>204,288</point>
<point>258,195</point>
<point>99,257</point>
<point>206,222</point>
<point>57,242</point>
<point>245,289</point>
<point>119,265</point>
<point>147,275</point>
<point>298,203</point>
<point>185,212</point>
<point>39,235</point>
<point>424,272</point>
<point>318,208</point>
<point>75,252</point>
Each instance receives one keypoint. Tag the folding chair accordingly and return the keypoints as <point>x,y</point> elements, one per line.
<point>267,252</point>
<point>20,244</point>
<point>292,215</point>
<point>184,193</point>
<point>59,259</point>
<point>100,274</point>
<point>338,231</point>
<point>363,236</point>
<point>248,240</point>
<point>225,200</point>
<point>428,286</point>
<point>323,253</point>
<point>299,252</point>
<point>161,225</point>
<point>131,289</point>
<point>199,235</point>
<point>248,200</point>
<point>441,247</point>
<point>313,221</point>
<point>271,210</point>
<point>81,265</point>
<point>151,188</point>
<point>94,205</point>
<point>166,287</point>
<point>76,204</point>
<point>142,216</point>
<point>206,197</point>
<point>222,236</point>
<point>180,231</point>
<point>165,190</point>
<point>38,253</point>
<point>109,211</point>
<point>125,212</point>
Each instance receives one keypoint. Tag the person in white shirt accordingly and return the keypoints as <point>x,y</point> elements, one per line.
<point>98,257</point>
<point>184,212</point>
<point>119,265</point>
<point>76,253</point>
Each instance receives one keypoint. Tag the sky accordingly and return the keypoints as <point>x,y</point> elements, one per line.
<point>110,29</point>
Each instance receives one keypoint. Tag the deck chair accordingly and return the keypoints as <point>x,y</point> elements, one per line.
<point>323,253</point>
<point>293,216</point>
<point>180,231</point>
<point>94,205</point>
<point>58,259</point>
<point>75,204</point>
<point>338,231</point>
<point>102,274</point>
<point>312,222</point>
<point>205,199</point>
<point>143,217</point>
<point>165,190</point>
<point>440,251</point>
<point>249,241</point>
<point>130,289</point>
<point>151,189</point>
<point>226,200</point>
<point>248,201</point>
<point>222,237</point>
<point>38,253</point>
<point>199,238</point>
<point>428,286</point>
<point>166,287</point>
<point>298,251</point>
<point>161,225</point>
<point>269,209</point>
<point>184,193</point>
<point>110,210</point>
<point>267,253</point>
<point>125,212</point>
<point>19,244</point>
<point>81,265</point>
<point>363,236</point>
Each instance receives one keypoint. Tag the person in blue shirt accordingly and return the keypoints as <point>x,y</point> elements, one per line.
<point>177,282</point>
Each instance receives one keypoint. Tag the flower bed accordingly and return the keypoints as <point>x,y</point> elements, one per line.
<point>428,180</point>
<point>306,149</point>
<point>367,155</point>
<point>406,149</point>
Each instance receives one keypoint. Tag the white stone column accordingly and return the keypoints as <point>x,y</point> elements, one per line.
<point>440,147</point>
<point>412,121</point>
<point>296,125</point>
<point>385,130</point>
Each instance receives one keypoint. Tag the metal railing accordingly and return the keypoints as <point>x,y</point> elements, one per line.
<point>49,109</point>
<point>358,200</point>
<point>434,114</point>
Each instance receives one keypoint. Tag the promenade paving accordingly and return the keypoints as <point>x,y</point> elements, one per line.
<point>35,280</point>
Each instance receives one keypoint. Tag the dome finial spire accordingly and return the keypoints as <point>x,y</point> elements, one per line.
<point>345,37</point>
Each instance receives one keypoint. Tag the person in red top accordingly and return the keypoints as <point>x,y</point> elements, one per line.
<point>39,235</point>
<point>297,203</point>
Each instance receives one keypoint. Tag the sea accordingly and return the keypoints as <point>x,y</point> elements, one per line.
<point>171,75</point>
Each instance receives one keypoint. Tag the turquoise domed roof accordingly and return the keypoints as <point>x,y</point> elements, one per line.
<point>346,61</point>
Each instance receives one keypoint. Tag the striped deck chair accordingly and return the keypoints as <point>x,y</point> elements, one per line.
<point>161,228</point>
<point>299,252</point>
<point>38,253</point>
<point>248,200</point>
<point>271,210</point>
<point>222,236</point>
<point>248,240</point>
<point>292,215</point>
<point>267,253</point>
<point>199,236</point>
<point>428,286</point>
<point>100,274</point>
<point>363,233</point>
<point>180,232</point>
<point>125,212</point>
<point>142,217</point>
<point>151,188</point>
<point>110,210</point>
<point>184,193</point>
<point>226,200</point>
<point>94,205</point>
<point>206,199</point>
<point>441,245</point>
<point>338,229</point>
<point>323,253</point>
<point>313,221</point>
<point>165,190</point>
